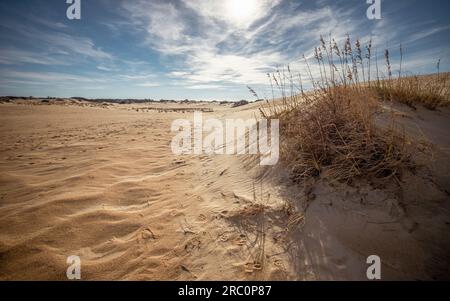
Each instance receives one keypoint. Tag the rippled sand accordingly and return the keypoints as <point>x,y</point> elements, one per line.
<point>101,182</point>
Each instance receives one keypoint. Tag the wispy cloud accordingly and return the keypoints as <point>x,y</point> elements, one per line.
<point>426,33</point>
<point>77,45</point>
<point>50,42</point>
<point>147,85</point>
<point>180,47</point>
<point>205,87</point>
<point>50,77</point>
<point>11,56</point>
<point>212,46</point>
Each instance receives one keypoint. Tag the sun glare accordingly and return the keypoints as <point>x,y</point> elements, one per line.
<point>241,11</point>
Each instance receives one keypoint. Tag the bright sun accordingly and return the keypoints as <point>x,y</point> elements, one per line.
<point>241,11</point>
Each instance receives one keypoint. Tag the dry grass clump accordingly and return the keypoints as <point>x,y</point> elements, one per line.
<point>335,134</point>
<point>330,131</point>
<point>431,91</point>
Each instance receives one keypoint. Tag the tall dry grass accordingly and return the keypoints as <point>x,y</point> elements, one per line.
<point>331,130</point>
<point>431,91</point>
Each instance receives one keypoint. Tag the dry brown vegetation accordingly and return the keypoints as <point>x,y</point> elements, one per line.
<point>336,133</point>
<point>431,91</point>
<point>331,130</point>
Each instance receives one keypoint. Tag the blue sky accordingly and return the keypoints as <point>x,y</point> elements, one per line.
<point>196,49</point>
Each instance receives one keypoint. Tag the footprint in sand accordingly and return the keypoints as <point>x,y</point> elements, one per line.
<point>147,234</point>
<point>251,267</point>
<point>241,240</point>
<point>278,263</point>
<point>224,237</point>
<point>202,218</point>
<point>175,213</point>
<point>193,244</point>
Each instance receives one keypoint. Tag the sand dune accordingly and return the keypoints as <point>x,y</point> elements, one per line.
<point>101,182</point>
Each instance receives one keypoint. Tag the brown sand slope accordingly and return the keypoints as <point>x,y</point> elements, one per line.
<point>101,182</point>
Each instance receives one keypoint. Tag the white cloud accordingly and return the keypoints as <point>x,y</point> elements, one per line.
<point>426,33</point>
<point>77,45</point>
<point>50,77</point>
<point>160,19</point>
<point>11,56</point>
<point>51,43</point>
<point>205,87</point>
<point>236,13</point>
<point>226,46</point>
<point>137,76</point>
<point>148,85</point>
<point>103,68</point>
